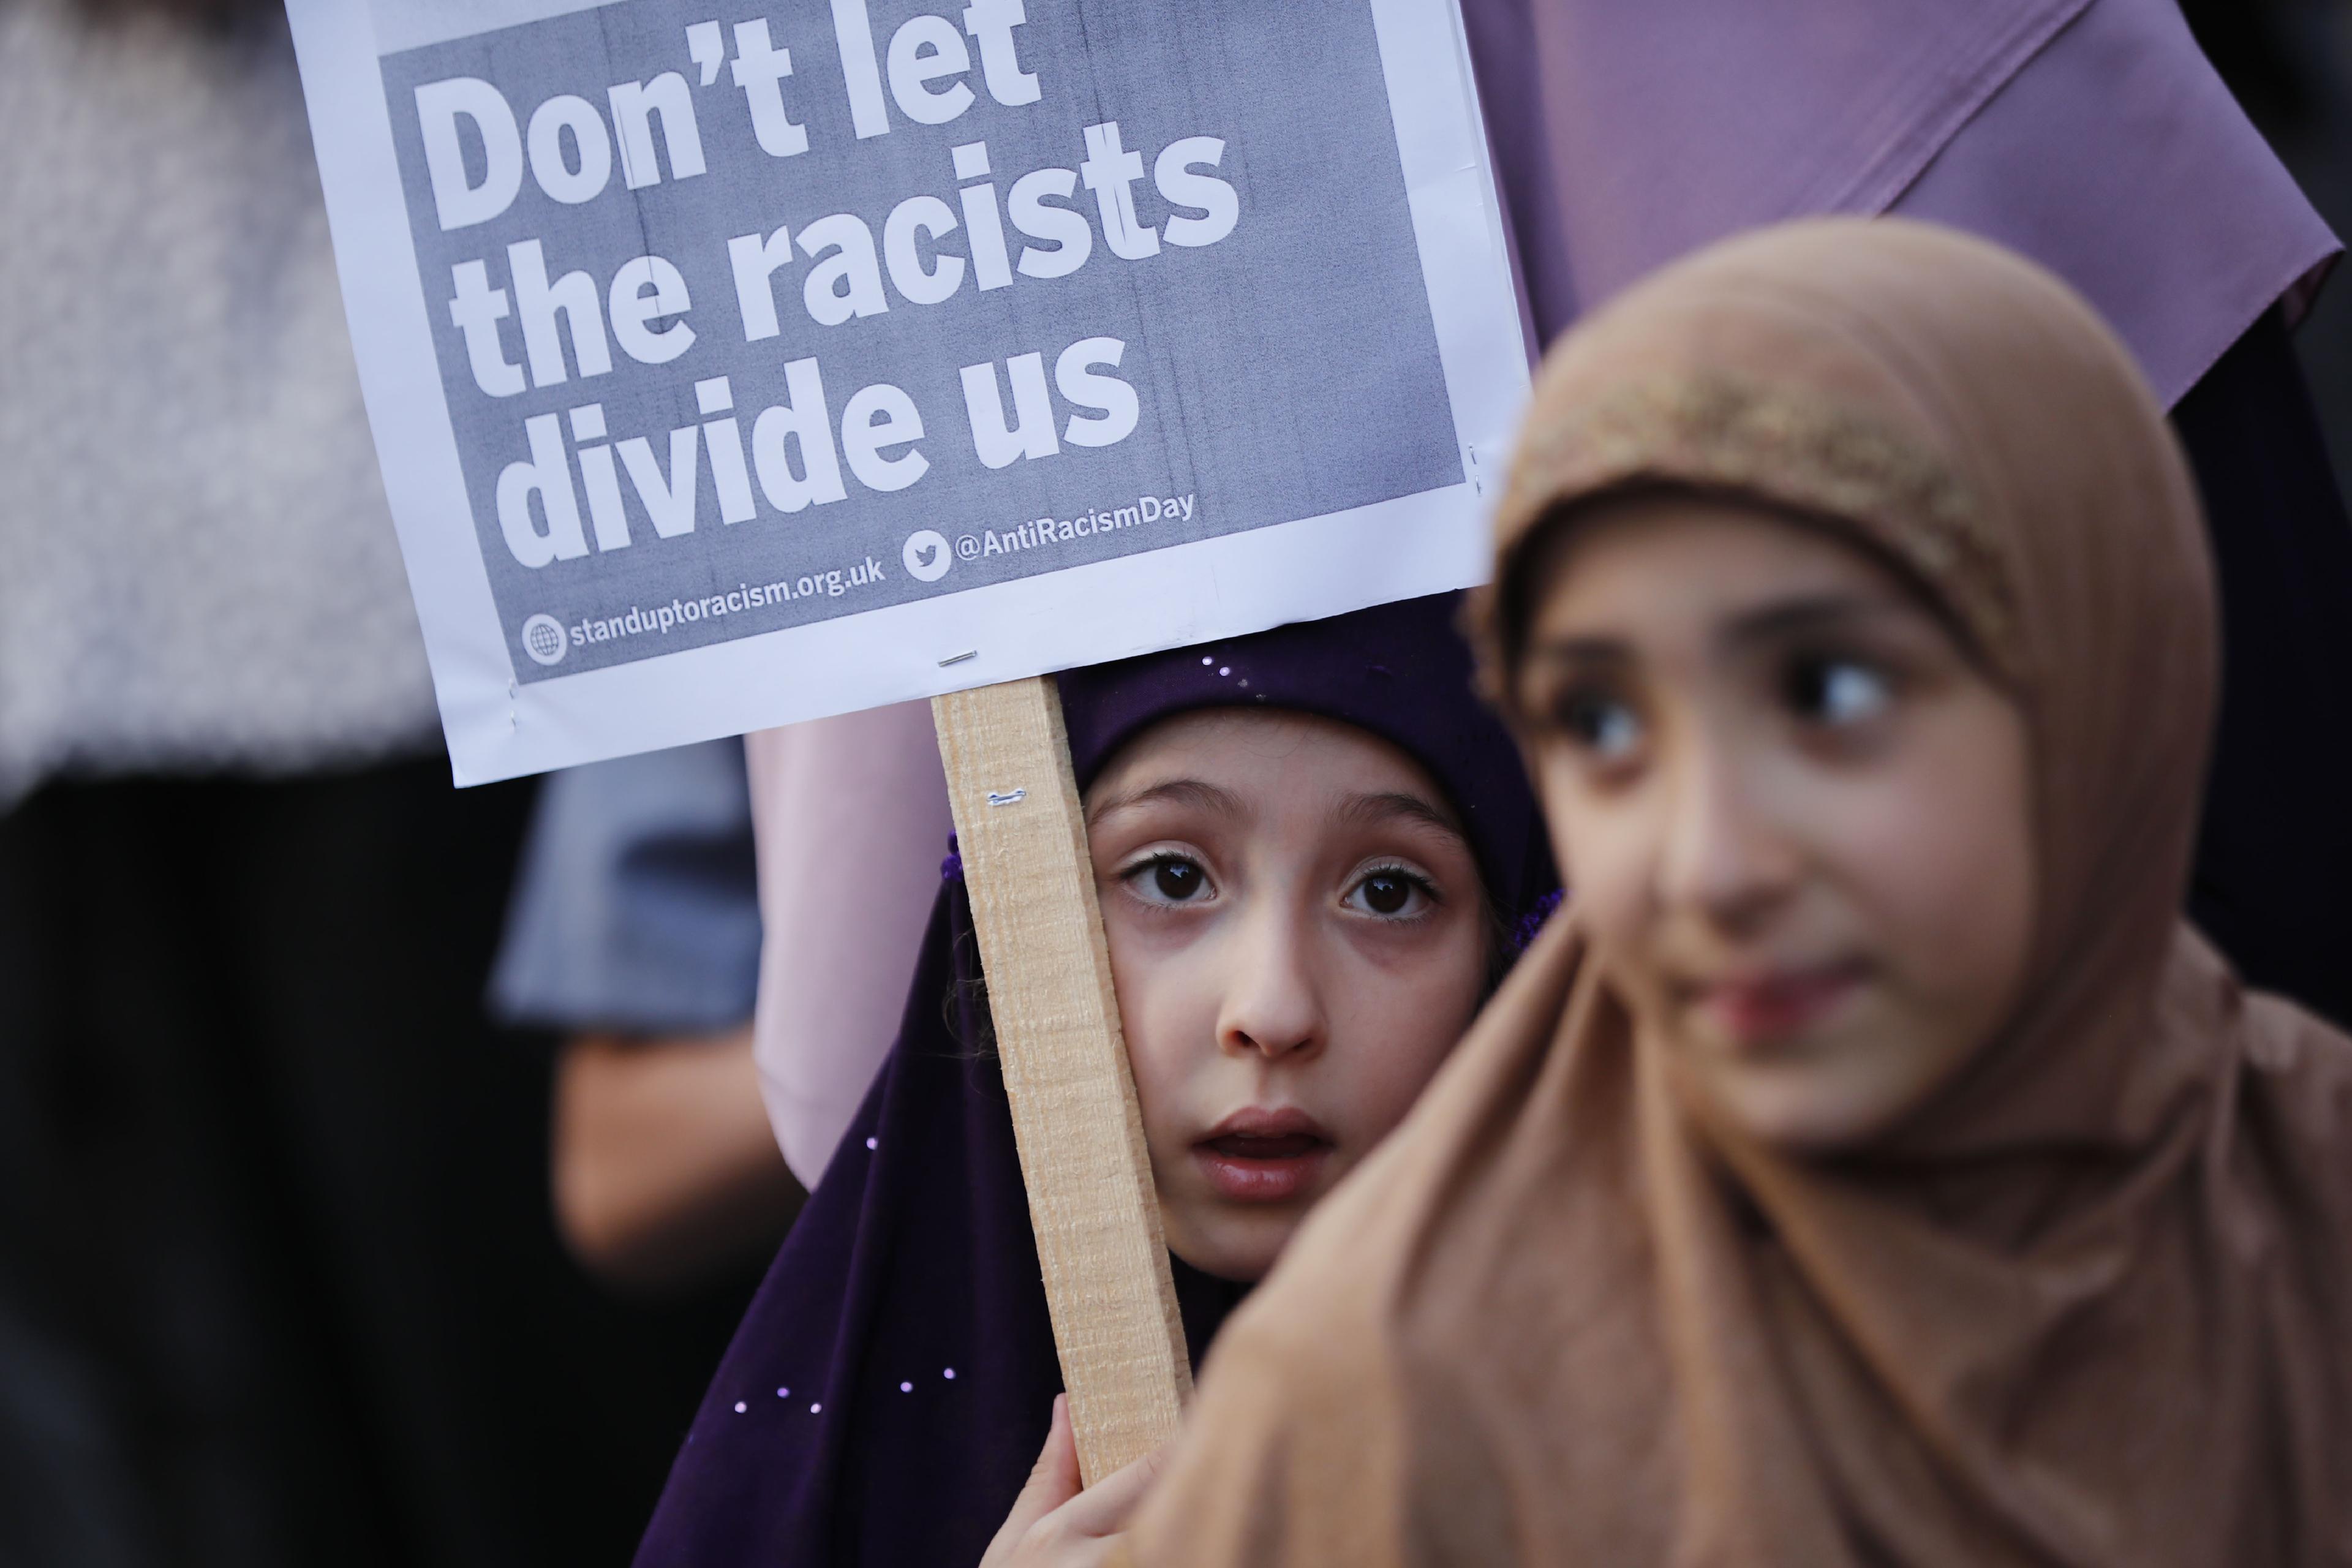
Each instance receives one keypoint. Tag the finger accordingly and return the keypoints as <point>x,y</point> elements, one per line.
<point>1054,1478</point>
<point>1105,1508</point>
<point>1053,1481</point>
<point>1058,1462</point>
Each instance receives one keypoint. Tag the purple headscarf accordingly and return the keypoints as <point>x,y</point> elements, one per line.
<point>891,1383</point>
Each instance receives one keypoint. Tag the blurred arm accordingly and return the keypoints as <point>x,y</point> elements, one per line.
<point>851,817</point>
<point>664,1168</point>
<point>635,934</point>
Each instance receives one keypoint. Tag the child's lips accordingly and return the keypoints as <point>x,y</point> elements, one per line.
<point>1239,1147</point>
<point>1758,1009</point>
<point>1257,1156</point>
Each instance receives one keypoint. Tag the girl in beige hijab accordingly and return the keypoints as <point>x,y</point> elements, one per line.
<point>1875,1169</point>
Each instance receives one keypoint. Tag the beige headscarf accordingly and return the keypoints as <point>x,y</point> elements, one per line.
<point>2092,1305</point>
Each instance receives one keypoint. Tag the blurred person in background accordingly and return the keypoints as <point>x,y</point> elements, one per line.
<point>634,930</point>
<point>2290,64</point>
<point>852,820</point>
<point>279,1280</point>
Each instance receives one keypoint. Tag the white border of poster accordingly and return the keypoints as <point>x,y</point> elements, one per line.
<point>1186,593</point>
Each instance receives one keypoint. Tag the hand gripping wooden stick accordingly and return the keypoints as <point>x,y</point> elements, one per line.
<point>1023,840</point>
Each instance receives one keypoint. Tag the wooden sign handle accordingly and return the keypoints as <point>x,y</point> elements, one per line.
<point>1023,839</point>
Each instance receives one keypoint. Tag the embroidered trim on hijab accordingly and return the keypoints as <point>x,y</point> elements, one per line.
<point>1724,432</point>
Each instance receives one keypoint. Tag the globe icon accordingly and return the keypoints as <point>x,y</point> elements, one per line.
<point>542,638</point>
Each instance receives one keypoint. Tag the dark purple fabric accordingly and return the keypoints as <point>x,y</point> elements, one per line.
<point>892,1382</point>
<point>912,1255</point>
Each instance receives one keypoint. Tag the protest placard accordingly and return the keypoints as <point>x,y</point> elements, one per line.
<point>730,368</point>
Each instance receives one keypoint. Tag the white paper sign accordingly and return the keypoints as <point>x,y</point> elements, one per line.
<point>734,367</point>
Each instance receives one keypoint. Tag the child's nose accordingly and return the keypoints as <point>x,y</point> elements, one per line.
<point>1273,1003</point>
<point>1723,857</point>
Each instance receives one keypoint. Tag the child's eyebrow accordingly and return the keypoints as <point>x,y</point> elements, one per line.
<point>1371,810</point>
<point>1811,613</point>
<point>1592,649</point>
<point>1198,794</point>
<point>1766,623</point>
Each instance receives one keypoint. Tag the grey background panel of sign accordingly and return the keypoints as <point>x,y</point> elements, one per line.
<point>408,24</point>
<point>1288,369</point>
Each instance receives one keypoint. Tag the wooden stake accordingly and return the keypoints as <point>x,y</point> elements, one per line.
<point>1023,840</point>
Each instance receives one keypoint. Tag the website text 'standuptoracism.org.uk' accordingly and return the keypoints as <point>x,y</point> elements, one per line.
<point>925,558</point>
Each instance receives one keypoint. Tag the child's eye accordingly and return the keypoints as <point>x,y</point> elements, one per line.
<point>1600,721</point>
<point>1168,878</point>
<point>1392,892</point>
<point>1836,690</point>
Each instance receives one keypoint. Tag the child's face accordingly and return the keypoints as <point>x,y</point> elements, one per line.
<point>1298,934</point>
<point>1794,814</point>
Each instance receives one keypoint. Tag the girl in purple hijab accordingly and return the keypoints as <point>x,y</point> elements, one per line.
<point>1315,851</point>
